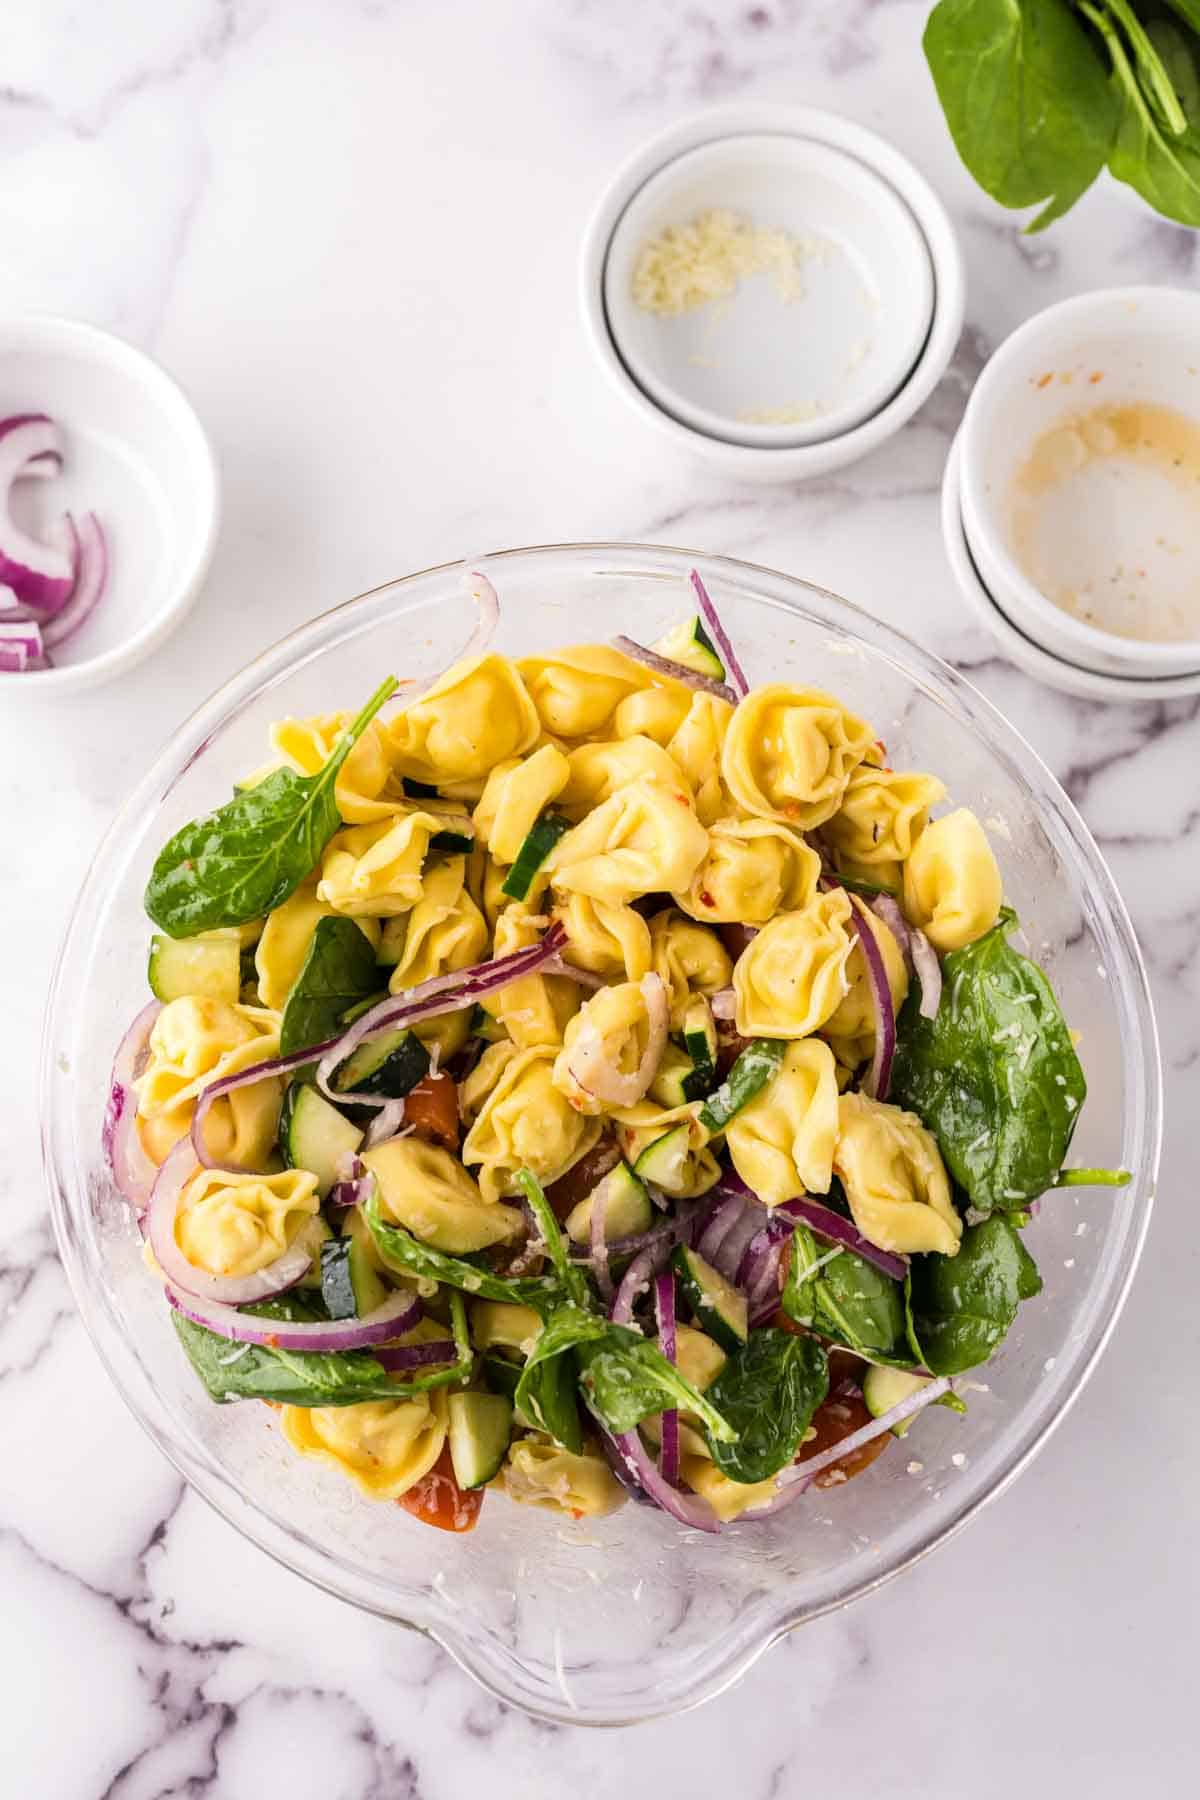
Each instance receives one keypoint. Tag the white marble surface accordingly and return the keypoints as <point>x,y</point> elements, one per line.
<point>351,229</point>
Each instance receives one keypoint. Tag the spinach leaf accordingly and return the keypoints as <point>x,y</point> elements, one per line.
<point>960,1307</point>
<point>1152,76</point>
<point>573,1279</point>
<point>1163,167</point>
<point>858,1305</point>
<point>799,1297</point>
<point>306,1378</point>
<point>994,1076</point>
<point>1024,91</point>
<point>768,1390</point>
<point>338,971</point>
<point>1178,61</point>
<point>401,1250</point>
<point>246,858</point>
<point>547,1388</point>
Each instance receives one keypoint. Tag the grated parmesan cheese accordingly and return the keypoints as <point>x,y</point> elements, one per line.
<point>690,265</point>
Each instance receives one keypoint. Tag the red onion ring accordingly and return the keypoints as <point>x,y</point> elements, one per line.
<point>724,1004</point>
<point>664,1312</point>
<point>928,967</point>
<point>397,1357</point>
<point>398,1314</point>
<point>91,563</point>
<point>879,1075</point>
<point>635,1282</point>
<point>638,1470</point>
<point>663,665</point>
<point>39,574</point>
<point>224,1290</point>
<point>733,668</point>
<point>132,1170</point>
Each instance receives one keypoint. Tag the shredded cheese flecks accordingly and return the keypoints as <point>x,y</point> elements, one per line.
<point>694,264</point>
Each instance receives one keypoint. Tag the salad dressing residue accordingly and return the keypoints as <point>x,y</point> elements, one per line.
<point>1105,520</point>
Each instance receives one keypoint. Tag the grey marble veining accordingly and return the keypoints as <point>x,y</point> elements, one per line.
<point>350,230</point>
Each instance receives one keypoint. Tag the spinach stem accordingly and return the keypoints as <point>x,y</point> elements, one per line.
<point>1092,1178</point>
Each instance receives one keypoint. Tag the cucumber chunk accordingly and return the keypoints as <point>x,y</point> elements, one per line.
<point>675,1074</point>
<point>757,1064</point>
<point>884,1388</point>
<point>627,1209</point>
<point>208,967</point>
<point>313,1236</point>
<point>664,1161</point>
<point>389,1066</point>
<point>456,843</point>
<point>314,1135</point>
<point>691,645</point>
<point>350,1287</point>
<point>716,1305</point>
<point>540,841</point>
<point>700,1042</point>
<point>480,1427</point>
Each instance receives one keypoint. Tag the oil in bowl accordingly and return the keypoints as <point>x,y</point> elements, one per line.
<point>1104,520</point>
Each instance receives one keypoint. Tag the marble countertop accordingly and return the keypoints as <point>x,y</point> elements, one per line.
<point>351,231</point>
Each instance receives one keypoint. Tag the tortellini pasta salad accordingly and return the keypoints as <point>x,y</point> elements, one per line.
<point>598,1076</point>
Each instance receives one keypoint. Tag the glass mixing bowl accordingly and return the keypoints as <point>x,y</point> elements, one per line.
<point>614,1620</point>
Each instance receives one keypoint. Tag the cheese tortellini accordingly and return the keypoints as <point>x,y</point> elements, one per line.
<point>577,691</point>
<point>444,931</point>
<point>952,886</point>
<point>526,1122</point>
<point>235,1224</point>
<point>605,938</point>
<point>476,715</point>
<point>376,870</point>
<point>696,747</point>
<point>894,1177</point>
<point>534,1010</point>
<point>792,977</point>
<point>366,786</point>
<point>597,771</point>
<point>782,1143</point>
<point>754,869</point>
<point>513,796</point>
<point>883,813</point>
<point>614,1027</point>
<point>384,1446</point>
<point>689,958</point>
<point>789,753</point>
<point>644,839</point>
<point>194,1042</point>
<point>425,1189</point>
<point>539,1472</point>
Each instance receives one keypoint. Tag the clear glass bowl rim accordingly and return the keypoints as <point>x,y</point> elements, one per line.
<point>68,1190</point>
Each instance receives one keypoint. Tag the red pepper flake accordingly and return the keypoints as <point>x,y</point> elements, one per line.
<point>706,899</point>
<point>1095,376</point>
<point>1045,380</point>
<point>273,1341</point>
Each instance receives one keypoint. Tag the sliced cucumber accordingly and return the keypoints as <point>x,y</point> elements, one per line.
<point>350,1287</point>
<point>664,1161</point>
<point>716,1305</point>
<point>675,1073</point>
<point>314,1135</point>
<point>884,1388</point>
<point>691,645</point>
<point>313,1237</point>
<point>388,1066</point>
<point>700,1042</point>
<point>208,967</point>
<point>480,1427</point>
<point>627,1209</point>
<point>757,1064</point>
<point>456,843</point>
<point>539,842</point>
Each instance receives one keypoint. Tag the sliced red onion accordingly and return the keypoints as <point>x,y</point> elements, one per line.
<point>132,1170</point>
<point>664,1312</point>
<point>728,1209</point>
<point>761,1274</point>
<point>634,1282</point>
<point>398,1314</point>
<point>887,908</point>
<point>733,668</point>
<point>586,1060</point>
<point>39,574</point>
<point>21,646</point>
<point>640,1467</point>
<point>90,581</point>
<point>831,1225</point>
<point>928,969</point>
<point>444,993</point>
<point>557,965</point>
<point>225,1290</point>
<point>737,938</point>
<point>672,1231</point>
<point>386,1124</point>
<point>730,1253</point>
<point>723,1003</point>
<point>488,602</point>
<point>395,1357</point>
<point>879,1075</point>
<point>663,665</point>
<point>353,1190</point>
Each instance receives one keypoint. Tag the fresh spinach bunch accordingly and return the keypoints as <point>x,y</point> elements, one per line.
<point>768,1391</point>
<point>247,857</point>
<point>994,1075</point>
<point>338,972</point>
<point>232,1371</point>
<point>846,1299</point>
<point>1040,95</point>
<point>959,1308</point>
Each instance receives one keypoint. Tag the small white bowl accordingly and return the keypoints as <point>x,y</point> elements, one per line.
<point>843,345</point>
<point>1118,347</point>
<point>789,461</point>
<point>1053,671</point>
<point>137,456</point>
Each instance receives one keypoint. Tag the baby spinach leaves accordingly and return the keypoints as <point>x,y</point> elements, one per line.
<point>768,1391</point>
<point>994,1076</point>
<point>1040,94</point>
<point>401,1250</point>
<point>339,971</point>
<point>247,857</point>
<point>232,1371</point>
<point>961,1307</point>
<point>846,1299</point>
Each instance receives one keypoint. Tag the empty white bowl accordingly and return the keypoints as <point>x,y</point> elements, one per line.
<point>768,460</point>
<point>838,348</point>
<point>1052,671</point>
<point>1115,349</point>
<point>137,456</point>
